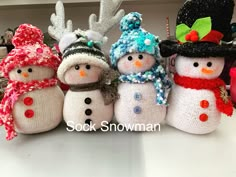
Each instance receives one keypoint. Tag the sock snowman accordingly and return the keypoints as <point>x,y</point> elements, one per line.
<point>93,86</point>
<point>199,96</point>
<point>144,84</point>
<point>32,101</point>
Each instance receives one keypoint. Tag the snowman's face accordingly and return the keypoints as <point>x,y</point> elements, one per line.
<point>82,74</point>
<point>30,73</point>
<point>135,63</point>
<point>205,68</point>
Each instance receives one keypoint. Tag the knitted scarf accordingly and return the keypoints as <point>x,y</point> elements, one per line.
<point>217,86</point>
<point>158,76</point>
<point>12,93</point>
<point>107,84</point>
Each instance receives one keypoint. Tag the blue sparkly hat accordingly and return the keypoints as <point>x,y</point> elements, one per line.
<point>134,39</point>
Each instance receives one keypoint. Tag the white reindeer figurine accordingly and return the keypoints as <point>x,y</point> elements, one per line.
<point>93,87</point>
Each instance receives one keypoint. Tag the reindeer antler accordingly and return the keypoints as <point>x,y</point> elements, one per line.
<point>58,21</point>
<point>108,16</point>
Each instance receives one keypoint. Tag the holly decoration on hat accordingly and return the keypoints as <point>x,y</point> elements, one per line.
<point>200,29</point>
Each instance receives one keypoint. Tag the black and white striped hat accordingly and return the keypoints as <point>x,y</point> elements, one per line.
<point>77,49</point>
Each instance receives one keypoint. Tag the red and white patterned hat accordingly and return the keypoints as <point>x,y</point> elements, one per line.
<point>29,50</point>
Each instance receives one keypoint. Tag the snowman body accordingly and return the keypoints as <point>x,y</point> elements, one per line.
<point>39,110</point>
<point>137,105</point>
<point>187,106</point>
<point>86,108</point>
<point>44,109</point>
<point>191,110</point>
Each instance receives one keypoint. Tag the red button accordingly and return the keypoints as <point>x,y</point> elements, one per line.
<point>204,104</point>
<point>28,101</point>
<point>29,113</point>
<point>203,117</point>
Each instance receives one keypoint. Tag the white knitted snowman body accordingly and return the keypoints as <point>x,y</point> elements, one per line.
<point>195,111</point>
<point>137,105</point>
<point>39,110</point>
<point>47,108</point>
<point>86,107</point>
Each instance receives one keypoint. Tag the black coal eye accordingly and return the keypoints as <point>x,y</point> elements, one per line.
<point>140,57</point>
<point>88,66</point>
<point>130,58</point>
<point>209,64</point>
<point>195,64</point>
<point>19,71</point>
<point>76,67</point>
<point>30,70</point>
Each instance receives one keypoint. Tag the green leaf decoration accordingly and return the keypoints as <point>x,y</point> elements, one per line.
<point>202,26</point>
<point>181,31</point>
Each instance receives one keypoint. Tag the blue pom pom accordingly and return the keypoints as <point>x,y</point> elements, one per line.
<point>131,21</point>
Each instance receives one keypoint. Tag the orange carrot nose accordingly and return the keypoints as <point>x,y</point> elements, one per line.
<point>24,74</point>
<point>138,64</point>
<point>82,73</point>
<point>207,71</point>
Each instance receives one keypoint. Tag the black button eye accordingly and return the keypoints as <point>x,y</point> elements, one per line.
<point>76,67</point>
<point>130,58</point>
<point>140,57</point>
<point>19,71</point>
<point>30,70</point>
<point>195,64</point>
<point>88,67</point>
<point>209,64</point>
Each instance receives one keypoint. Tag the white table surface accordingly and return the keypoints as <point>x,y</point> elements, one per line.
<point>169,153</point>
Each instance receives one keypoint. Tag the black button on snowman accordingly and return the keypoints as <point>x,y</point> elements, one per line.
<point>88,101</point>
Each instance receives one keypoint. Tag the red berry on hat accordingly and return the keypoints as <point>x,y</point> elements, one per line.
<point>194,38</point>
<point>194,33</point>
<point>188,37</point>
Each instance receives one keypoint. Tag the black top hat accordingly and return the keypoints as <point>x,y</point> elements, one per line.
<point>202,25</point>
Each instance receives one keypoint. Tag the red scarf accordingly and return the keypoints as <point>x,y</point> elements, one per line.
<point>12,93</point>
<point>217,86</point>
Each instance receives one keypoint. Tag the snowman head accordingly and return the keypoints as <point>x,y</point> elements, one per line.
<point>203,68</point>
<point>83,60</point>
<point>136,50</point>
<point>30,73</point>
<point>83,74</point>
<point>31,59</point>
<point>135,63</point>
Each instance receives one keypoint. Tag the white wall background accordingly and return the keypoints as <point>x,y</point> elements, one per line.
<point>154,16</point>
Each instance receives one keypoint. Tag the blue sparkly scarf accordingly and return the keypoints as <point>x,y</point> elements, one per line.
<point>158,76</point>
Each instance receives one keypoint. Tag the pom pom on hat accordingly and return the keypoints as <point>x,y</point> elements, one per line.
<point>29,50</point>
<point>131,21</point>
<point>27,34</point>
<point>66,41</point>
<point>134,39</point>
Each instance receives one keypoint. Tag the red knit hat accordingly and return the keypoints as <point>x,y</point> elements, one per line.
<point>29,50</point>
